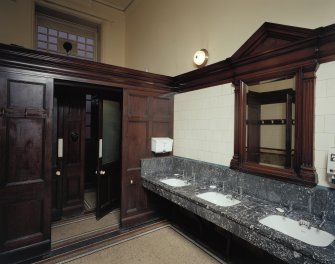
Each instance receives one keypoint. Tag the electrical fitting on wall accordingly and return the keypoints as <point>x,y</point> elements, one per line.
<point>161,144</point>
<point>200,57</point>
<point>331,164</point>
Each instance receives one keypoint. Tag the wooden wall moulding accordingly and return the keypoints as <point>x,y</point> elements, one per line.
<point>272,47</point>
<point>59,66</point>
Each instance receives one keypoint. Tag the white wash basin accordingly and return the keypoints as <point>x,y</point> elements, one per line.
<point>218,198</point>
<point>175,182</point>
<point>287,226</point>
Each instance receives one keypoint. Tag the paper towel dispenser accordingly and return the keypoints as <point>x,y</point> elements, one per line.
<point>161,144</point>
<point>331,161</point>
<point>331,164</point>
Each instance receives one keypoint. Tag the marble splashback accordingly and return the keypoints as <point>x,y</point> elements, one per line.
<point>305,199</point>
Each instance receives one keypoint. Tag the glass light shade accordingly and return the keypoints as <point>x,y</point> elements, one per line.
<point>200,58</point>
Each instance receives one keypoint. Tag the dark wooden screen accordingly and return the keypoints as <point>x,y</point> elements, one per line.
<point>25,166</point>
<point>145,115</point>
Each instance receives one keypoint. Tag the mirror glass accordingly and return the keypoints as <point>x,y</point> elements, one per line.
<point>111,119</point>
<point>270,122</point>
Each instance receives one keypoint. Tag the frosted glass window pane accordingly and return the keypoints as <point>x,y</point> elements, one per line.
<point>89,55</point>
<point>53,47</point>
<point>89,41</point>
<point>81,39</point>
<point>41,45</point>
<point>43,30</point>
<point>89,48</point>
<point>72,37</point>
<point>62,34</point>
<point>81,53</point>
<point>53,40</point>
<point>81,46</point>
<point>53,32</point>
<point>42,37</point>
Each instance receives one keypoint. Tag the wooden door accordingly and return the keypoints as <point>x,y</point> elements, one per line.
<point>145,115</point>
<point>108,156</point>
<point>25,166</point>
<point>71,129</point>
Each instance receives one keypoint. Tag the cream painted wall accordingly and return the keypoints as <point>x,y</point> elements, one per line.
<point>19,16</point>
<point>162,35</point>
<point>17,24</point>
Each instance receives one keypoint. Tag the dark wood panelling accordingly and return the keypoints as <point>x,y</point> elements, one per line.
<point>161,129</point>
<point>293,46</point>
<point>59,66</point>
<point>29,228</point>
<point>137,134</point>
<point>26,168</point>
<point>21,97</point>
<point>24,149</point>
<point>71,127</point>
<point>145,115</point>
<point>161,107</point>
<point>138,106</point>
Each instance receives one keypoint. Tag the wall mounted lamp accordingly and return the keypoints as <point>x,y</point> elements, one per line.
<point>200,57</point>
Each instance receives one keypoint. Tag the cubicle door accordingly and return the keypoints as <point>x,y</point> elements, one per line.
<point>108,164</point>
<point>25,166</point>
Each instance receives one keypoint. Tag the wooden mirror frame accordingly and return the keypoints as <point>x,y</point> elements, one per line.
<point>302,170</point>
<point>274,50</point>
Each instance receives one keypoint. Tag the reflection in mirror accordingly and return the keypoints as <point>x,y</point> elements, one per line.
<point>270,120</point>
<point>111,131</point>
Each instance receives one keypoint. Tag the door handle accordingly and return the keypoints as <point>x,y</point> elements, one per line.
<point>58,173</point>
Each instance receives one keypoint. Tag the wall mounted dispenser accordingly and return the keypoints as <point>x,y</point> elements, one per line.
<point>331,164</point>
<point>161,144</point>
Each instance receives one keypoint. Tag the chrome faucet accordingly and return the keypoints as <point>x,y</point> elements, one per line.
<point>222,189</point>
<point>289,210</point>
<point>193,175</point>
<point>305,223</point>
<point>323,218</point>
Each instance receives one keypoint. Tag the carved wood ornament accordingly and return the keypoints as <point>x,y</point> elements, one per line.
<point>273,51</point>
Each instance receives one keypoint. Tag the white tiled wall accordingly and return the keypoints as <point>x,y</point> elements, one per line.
<point>204,124</point>
<point>324,118</point>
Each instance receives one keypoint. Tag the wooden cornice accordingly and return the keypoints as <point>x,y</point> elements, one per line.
<point>270,48</point>
<point>295,46</point>
<point>57,65</point>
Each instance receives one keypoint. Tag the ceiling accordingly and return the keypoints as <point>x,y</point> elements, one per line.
<point>121,5</point>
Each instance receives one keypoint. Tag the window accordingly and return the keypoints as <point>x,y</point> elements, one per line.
<point>53,30</point>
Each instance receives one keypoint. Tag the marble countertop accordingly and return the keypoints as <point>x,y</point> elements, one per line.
<point>243,220</point>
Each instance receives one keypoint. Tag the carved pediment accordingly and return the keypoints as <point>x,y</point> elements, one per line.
<point>269,37</point>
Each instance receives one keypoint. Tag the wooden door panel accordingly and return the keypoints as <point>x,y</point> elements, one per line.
<point>137,138</point>
<point>25,166</point>
<point>145,115</point>
<point>132,188</point>
<point>161,129</point>
<point>138,105</point>
<point>161,107</point>
<point>73,142</point>
<point>71,122</point>
<point>20,222</point>
<point>24,149</point>
<point>2,150</point>
<point>21,97</point>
